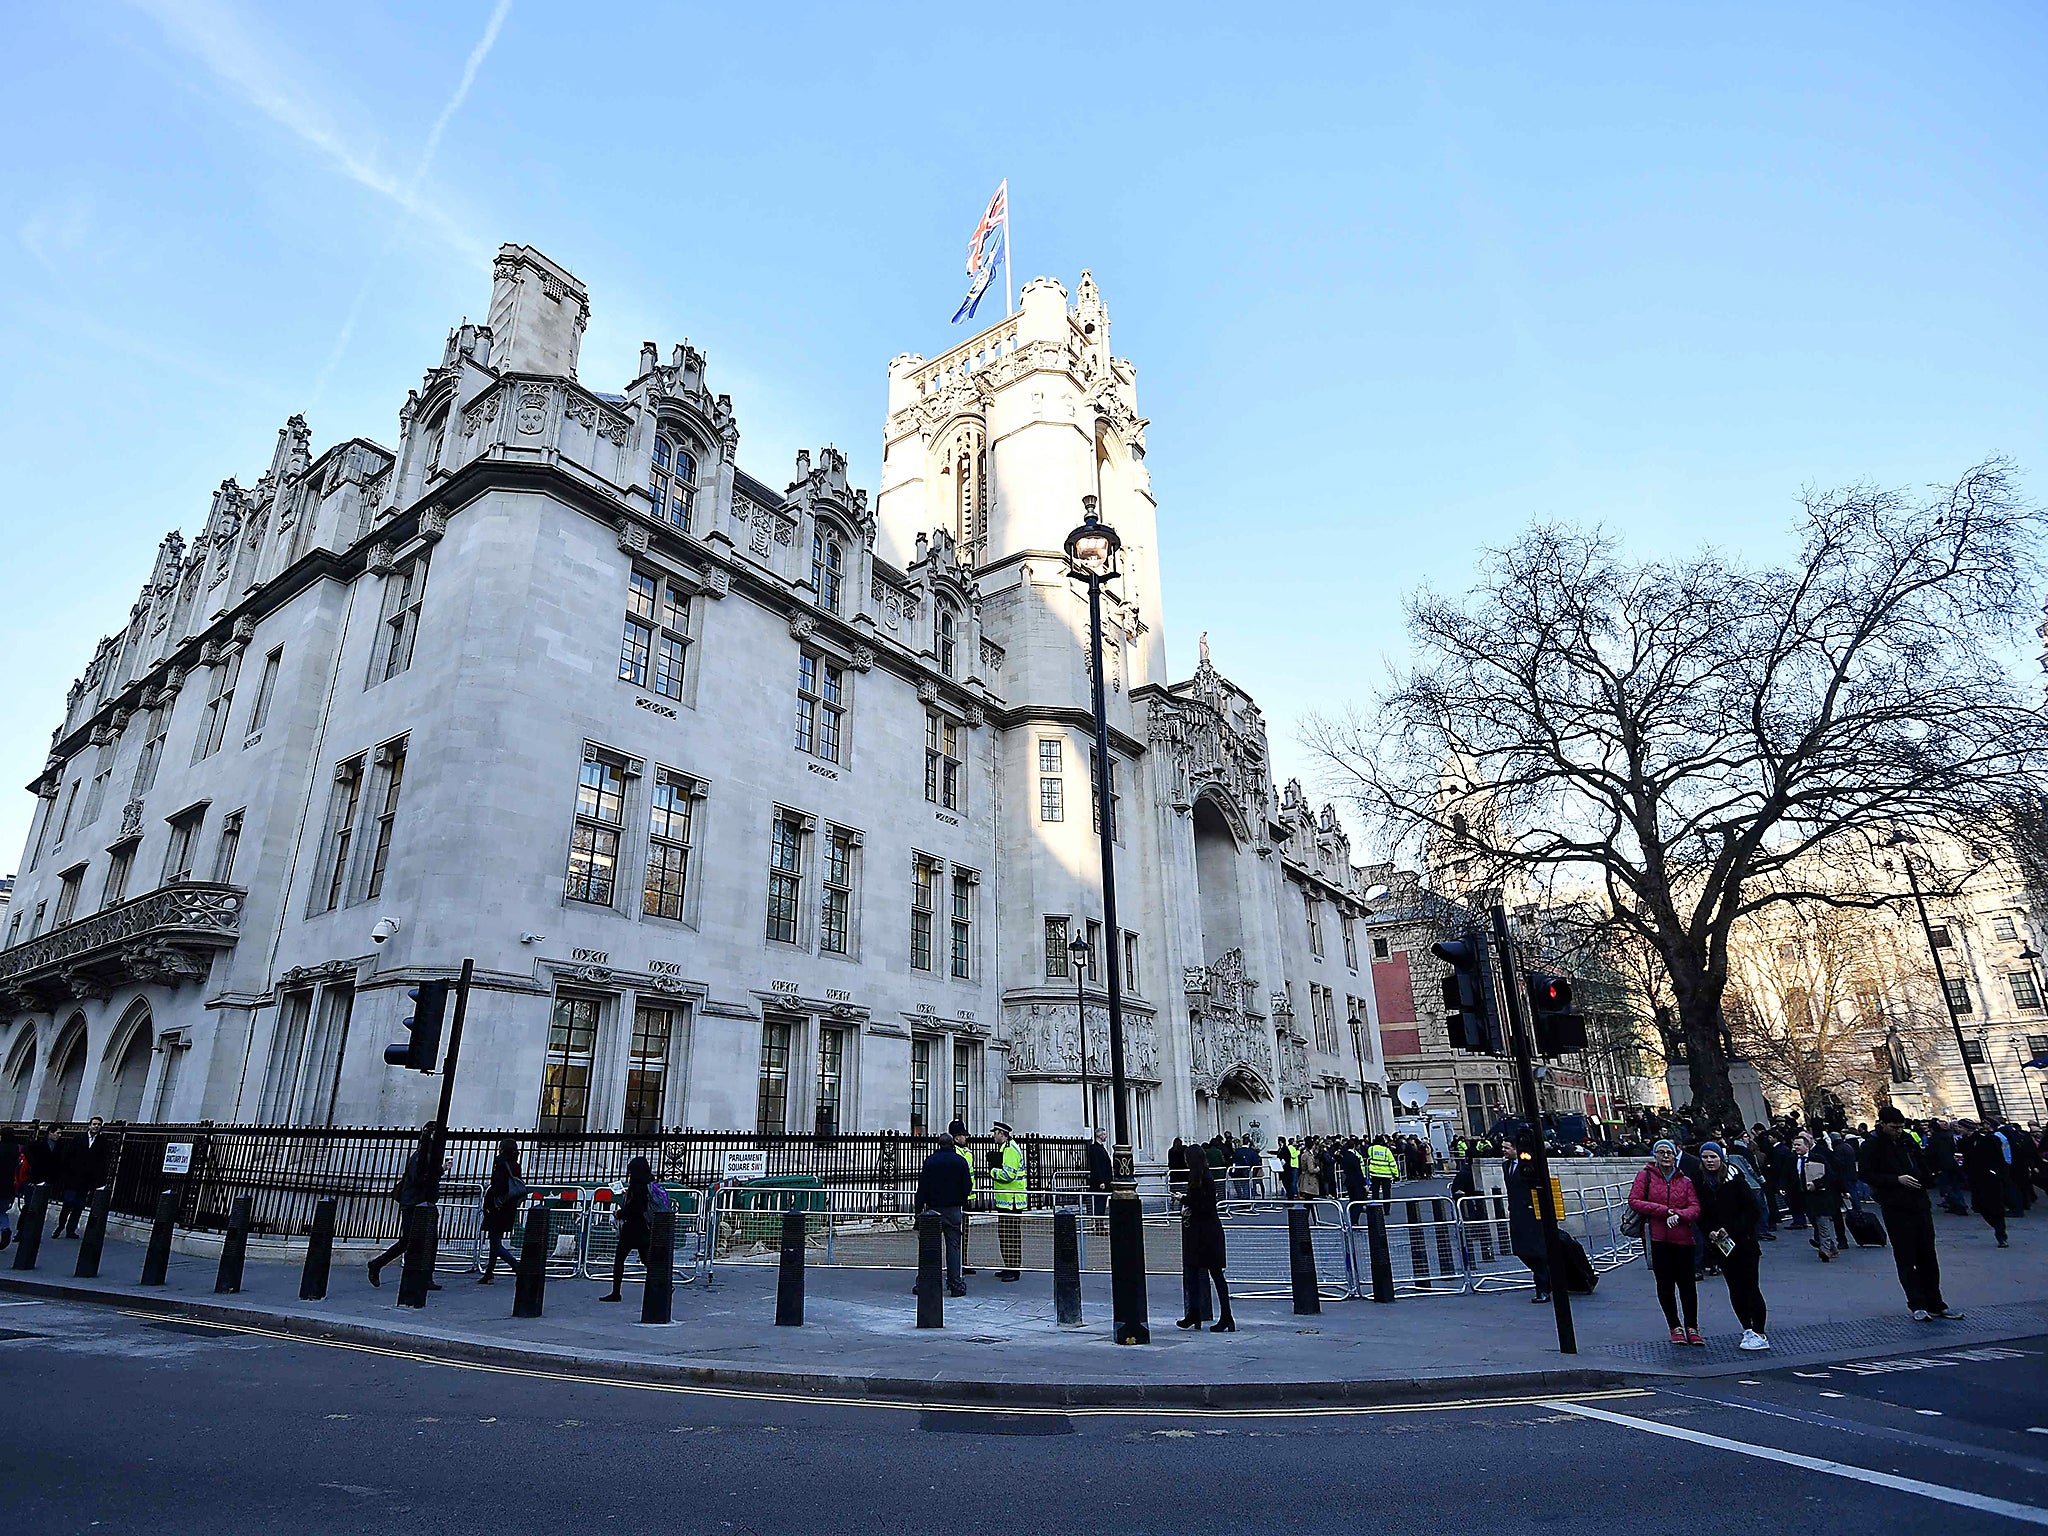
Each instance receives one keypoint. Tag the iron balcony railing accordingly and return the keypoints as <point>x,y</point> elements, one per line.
<point>167,935</point>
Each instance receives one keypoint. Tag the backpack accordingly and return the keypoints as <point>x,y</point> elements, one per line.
<point>657,1198</point>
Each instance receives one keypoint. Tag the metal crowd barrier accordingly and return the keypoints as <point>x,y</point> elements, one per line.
<point>1592,1216</point>
<point>583,1234</point>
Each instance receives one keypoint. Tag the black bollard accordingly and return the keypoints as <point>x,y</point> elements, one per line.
<point>95,1238</point>
<point>319,1253</point>
<point>931,1271</point>
<point>1301,1263</point>
<point>28,1232</point>
<point>529,1291</point>
<point>1418,1247</point>
<point>1382,1260</point>
<point>657,1296</point>
<point>418,1271</point>
<point>1066,1269</point>
<point>789,1283</point>
<point>156,1260</point>
<point>234,1247</point>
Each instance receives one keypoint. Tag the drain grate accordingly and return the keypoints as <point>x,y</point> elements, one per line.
<point>941,1421</point>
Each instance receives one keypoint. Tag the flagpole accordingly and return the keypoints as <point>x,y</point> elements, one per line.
<point>1009,257</point>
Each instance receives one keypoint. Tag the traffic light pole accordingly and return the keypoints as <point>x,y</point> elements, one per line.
<point>448,1069</point>
<point>1525,1076</point>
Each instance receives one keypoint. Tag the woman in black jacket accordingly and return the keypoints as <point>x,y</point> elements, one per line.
<point>634,1234</point>
<point>1202,1244</point>
<point>503,1197</point>
<point>1728,1217</point>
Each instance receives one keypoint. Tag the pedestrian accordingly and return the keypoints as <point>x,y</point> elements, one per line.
<point>1665,1199</point>
<point>1823,1197</point>
<point>1728,1213</point>
<point>45,1156</point>
<point>1009,1193</point>
<point>1984,1166</point>
<point>636,1235</point>
<point>1202,1250</point>
<point>82,1168</point>
<point>1944,1161</point>
<point>1326,1168</point>
<point>1356,1188</point>
<point>1101,1173</point>
<point>419,1185</point>
<point>1244,1168</point>
<point>1527,1237</point>
<point>1381,1167</point>
<point>944,1186</point>
<point>10,1166</point>
<point>1288,1155</point>
<point>1177,1167</point>
<point>1896,1170</point>
<point>504,1197</point>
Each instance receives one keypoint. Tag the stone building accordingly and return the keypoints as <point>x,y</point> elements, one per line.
<point>756,809</point>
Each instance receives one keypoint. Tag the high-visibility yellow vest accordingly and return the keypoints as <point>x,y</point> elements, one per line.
<point>1007,1185</point>
<point>1293,1155</point>
<point>1379,1162</point>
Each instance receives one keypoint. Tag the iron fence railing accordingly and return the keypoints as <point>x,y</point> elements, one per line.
<point>288,1170</point>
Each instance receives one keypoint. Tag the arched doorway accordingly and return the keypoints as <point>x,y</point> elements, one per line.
<point>21,1071</point>
<point>66,1073</point>
<point>1216,850</point>
<point>120,1092</point>
<point>1245,1107</point>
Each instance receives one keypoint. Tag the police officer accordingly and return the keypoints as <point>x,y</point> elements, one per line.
<point>1384,1170</point>
<point>1009,1192</point>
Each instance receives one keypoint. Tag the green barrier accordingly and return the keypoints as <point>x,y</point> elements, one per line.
<point>759,1205</point>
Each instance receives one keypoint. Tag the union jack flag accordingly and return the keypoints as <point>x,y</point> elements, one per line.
<point>998,216</point>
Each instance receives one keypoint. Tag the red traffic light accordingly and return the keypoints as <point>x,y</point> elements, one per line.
<point>1554,992</point>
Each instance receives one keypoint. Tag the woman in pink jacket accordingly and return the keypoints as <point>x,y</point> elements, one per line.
<point>1669,1206</point>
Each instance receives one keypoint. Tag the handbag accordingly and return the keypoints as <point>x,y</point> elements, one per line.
<point>1632,1223</point>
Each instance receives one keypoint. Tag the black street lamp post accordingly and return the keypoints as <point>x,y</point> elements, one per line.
<point>1358,1051</point>
<point>1077,955</point>
<point>1092,551</point>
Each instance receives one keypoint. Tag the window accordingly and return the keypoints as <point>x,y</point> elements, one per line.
<point>36,923</point>
<point>831,1079</point>
<point>1939,936</point>
<point>594,845</point>
<point>220,699</point>
<point>2003,927</point>
<point>960,951</point>
<point>1131,963</point>
<point>657,635</point>
<point>920,1086</point>
<point>670,483</point>
<point>225,850</point>
<point>1057,962</point>
<point>341,831</point>
<point>924,879</point>
<point>152,751</point>
<point>1959,997</point>
<point>647,1071</point>
<point>835,916</point>
<point>68,886</point>
<point>1323,1012</point>
<point>14,930</point>
<point>393,758</point>
<point>1052,789</point>
<point>119,865</point>
<point>320,1083</point>
<point>1115,796</point>
<point>1973,1052</point>
<point>1314,907</point>
<point>2026,992</point>
<point>1350,940</point>
<point>771,1105</point>
<point>266,686</point>
<point>2037,1045</point>
<point>966,1059</point>
<point>96,792</point>
<point>668,846</point>
<point>785,876</point>
<point>184,844</point>
<point>565,1076</point>
<point>70,804</point>
<point>941,762</point>
<point>405,589</point>
<point>828,569</point>
<point>1379,949</point>
<point>949,640</point>
<point>820,704</point>
<point>281,1077</point>
<point>1095,960</point>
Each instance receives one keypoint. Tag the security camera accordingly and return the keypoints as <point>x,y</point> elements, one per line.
<point>532,938</point>
<point>386,926</point>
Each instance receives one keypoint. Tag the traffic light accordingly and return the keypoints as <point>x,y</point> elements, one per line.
<point>422,1049</point>
<point>1558,1027</point>
<point>1468,1013</point>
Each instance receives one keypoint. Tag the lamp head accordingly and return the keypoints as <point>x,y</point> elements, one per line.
<point>1078,949</point>
<point>1092,548</point>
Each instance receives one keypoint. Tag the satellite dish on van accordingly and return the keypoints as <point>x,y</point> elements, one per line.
<point>1413,1095</point>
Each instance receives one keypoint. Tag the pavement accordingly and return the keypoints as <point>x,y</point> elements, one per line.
<point>1002,1344</point>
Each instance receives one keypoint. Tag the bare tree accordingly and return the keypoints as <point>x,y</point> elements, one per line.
<point>1682,740</point>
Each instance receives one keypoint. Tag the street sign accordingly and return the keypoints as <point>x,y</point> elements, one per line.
<point>741,1166</point>
<point>177,1157</point>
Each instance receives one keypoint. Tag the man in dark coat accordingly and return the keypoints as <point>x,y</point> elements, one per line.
<point>81,1169</point>
<point>944,1186</point>
<point>1985,1168</point>
<point>1896,1170</point>
<point>1356,1187</point>
<point>1942,1145</point>
<point>419,1185</point>
<point>1100,1173</point>
<point>45,1156</point>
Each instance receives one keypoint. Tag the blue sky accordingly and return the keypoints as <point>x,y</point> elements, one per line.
<point>1396,279</point>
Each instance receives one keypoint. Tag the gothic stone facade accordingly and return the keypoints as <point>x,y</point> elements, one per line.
<point>755,809</point>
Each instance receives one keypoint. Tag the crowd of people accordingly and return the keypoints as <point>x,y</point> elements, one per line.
<point>1303,1167</point>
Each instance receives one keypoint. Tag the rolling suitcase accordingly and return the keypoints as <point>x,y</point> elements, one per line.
<point>1865,1228</point>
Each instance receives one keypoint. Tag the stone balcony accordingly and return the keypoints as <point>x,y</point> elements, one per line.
<point>168,935</point>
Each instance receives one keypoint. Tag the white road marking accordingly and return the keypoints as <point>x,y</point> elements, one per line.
<point>1928,1413</point>
<point>1834,1394</point>
<point>1940,1493</point>
<point>20,1303</point>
